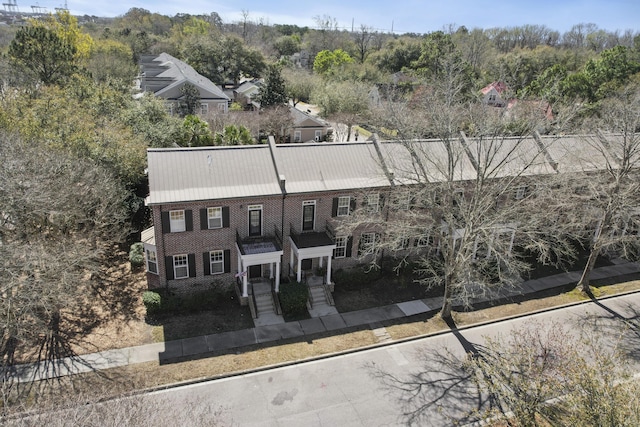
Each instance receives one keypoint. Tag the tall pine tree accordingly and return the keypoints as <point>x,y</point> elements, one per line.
<point>273,92</point>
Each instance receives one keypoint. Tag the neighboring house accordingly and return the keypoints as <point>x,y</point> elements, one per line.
<point>307,128</point>
<point>247,93</point>
<point>165,76</point>
<point>494,94</point>
<point>250,214</point>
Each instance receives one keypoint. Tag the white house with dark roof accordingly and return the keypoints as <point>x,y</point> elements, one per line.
<point>165,76</point>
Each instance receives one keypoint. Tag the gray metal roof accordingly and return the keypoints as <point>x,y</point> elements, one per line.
<point>577,153</point>
<point>185,174</point>
<point>412,162</point>
<point>179,71</point>
<point>510,156</point>
<point>314,167</point>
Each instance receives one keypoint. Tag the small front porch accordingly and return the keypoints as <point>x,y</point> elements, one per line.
<point>307,258</point>
<point>259,260</point>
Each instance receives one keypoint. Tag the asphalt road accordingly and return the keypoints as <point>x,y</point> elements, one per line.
<point>343,390</point>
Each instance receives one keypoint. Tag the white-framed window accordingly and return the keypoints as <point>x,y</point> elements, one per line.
<point>152,261</point>
<point>180,267</point>
<point>403,243</point>
<point>204,108</point>
<point>367,243</point>
<point>214,217</point>
<point>169,106</point>
<point>343,205</point>
<point>341,246</point>
<point>403,201</point>
<point>521,192</point>
<point>373,202</point>
<point>424,241</point>
<point>176,221</point>
<point>318,135</point>
<point>217,262</point>
<point>222,106</point>
<point>297,136</point>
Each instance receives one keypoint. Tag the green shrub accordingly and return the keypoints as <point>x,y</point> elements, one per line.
<point>152,301</point>
<point>136,255</point>
<point>293,298</point>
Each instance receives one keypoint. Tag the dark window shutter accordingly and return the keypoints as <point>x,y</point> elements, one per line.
<point>227,261</point>
<point>188,220</point>
<point>206,262</point>
<point>352,206</point>
<point>168,267</point>
<point>349,246</point>
<point>204,219</point>
<point>166,225</point>
<point>381,202</point>
<point>334,208</point>
<point>192,265</point>
<point>225,216</point>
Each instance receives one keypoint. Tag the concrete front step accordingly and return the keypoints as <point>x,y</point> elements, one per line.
<point>264,304</point>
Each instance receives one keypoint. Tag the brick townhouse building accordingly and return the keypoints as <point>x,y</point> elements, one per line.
<point>242,214</point>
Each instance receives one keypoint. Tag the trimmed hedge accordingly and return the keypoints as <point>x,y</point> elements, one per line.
<point>152,302</point>
<point>293,298</point>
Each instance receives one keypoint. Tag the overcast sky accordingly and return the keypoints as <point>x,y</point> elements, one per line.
<point>401,16</point>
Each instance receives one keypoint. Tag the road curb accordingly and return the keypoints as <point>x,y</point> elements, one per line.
<point>371,346</point>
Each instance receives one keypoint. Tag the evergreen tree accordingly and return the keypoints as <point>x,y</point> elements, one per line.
<point>273,92</point>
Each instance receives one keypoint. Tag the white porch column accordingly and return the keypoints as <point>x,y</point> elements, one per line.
<point>271,270</point>
<point>278,276</point>
<point>290,261</point>
<point>328,270</point>
<point>299,269</point>
<point>321,262</point>
<point>245,274</point>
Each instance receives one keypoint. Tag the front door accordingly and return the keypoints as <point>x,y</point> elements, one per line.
<point>255,271</point>
<point>255,221</point>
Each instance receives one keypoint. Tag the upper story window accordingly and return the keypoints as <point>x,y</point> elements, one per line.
<point>214,217</point>
<point>521,192</point>
<point>204,108</point>
<point>373,202</point>
<point>180,267</point>
<point>308,215</point>
<point>318,135</point>
<point>255,220</point>
<point>297,136</point>
<point>177,221</point>
<point>343,205</point>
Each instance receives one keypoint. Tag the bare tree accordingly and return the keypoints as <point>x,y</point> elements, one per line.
<point>614,193</point>
<point>538,375</point>
<point>484,203</point>
<point>60,221</point>
<point>364,39</point>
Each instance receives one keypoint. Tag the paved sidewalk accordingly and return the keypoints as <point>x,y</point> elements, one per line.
<point>227,341</point>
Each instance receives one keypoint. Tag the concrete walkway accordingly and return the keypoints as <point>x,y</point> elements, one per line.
<point>228,341</point>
